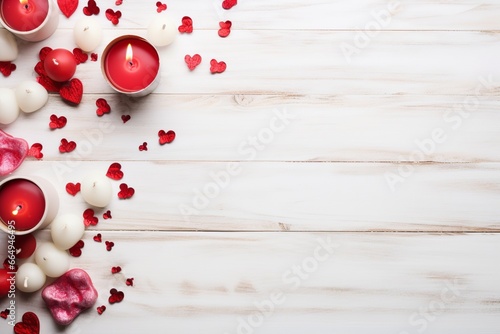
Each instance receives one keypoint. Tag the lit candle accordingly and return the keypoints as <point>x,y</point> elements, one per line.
<point>131,65</point>
<point>28,203</point>
<point>31,20</point>
<point>96,190</point>
<point>60,65</point>
<point>88,34</point>
<point>9,109</point>
<point>66,231</point>
<point>30,277</point>
<point>53,261</point>
<point>25,246</point>
<point>31,96</point>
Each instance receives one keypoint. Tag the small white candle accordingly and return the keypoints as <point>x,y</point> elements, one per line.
<point>162,31</point>
<point>96,190</point>
<point>87,33</point>
<point>31,96</point>
<point>30,278</point>
<point>8,46</point>
<point>66,231</point>
<point>53,261</point>
<point>9,109</point>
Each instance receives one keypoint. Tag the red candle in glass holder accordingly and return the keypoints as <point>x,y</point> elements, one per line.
<point>24,15</point>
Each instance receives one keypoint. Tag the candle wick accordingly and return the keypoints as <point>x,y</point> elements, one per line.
<point>28,91</point>
<point>164,27</point>
<point>55,61</point>
<point>26,282</point>
<point>45,259</point>
<point>26,6</point>
<point>86,28</point>
<point>131,63</point>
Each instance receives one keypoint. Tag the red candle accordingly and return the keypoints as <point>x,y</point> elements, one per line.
<point>131,65</point>
<point>4,283</point>
<point>23,203</point>
<point>60,65</point>
<point>24,15</point>
<point>25,246</point>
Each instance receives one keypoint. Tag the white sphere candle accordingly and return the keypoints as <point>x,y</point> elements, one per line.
<point>66,231</point>
<point>162,31</point>
<point>87,33</point>
<point>53,261</point>
<point>31,96</point>
<point>8,46</point>
<point>30,278</point>
<point>9,109</point>
<point>96,190</point>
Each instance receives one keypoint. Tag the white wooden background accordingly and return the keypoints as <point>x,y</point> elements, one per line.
<point>420,256</point>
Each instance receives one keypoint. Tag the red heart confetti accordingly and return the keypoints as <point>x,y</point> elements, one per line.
<point>93,57</point>
<point>67,7</point>
<point>114,171</point>
<point>40,69</point>
<point>35,151</point>
<point>125,191</point>
<point>143,147</point>
<point>91,8</point>
<point>186,26</point>
<point>43,52</point>
<point>107,215</point>
<point>80,56</point>
<point>72,91</point>
<point>98,237</point>
<point>166,137</point>
<point>217,67</point>
<point>29,324</point>
<point>113,16</point>
<point>73,188</point>
<point>76,250</point>
<point>125,118</point>
<point>225,28</point>
<point>4,314</point>
<point>130,281</point>
<point>109,245</point>
<point>49,84</point>
<point>101,309</point>
<point>67,146</point>
<point>7,67</point>
<point>160,7</point>
<point>228,4</point>
<point>57,122</point>
<point>193,61</point>
<point>102,107</point>
<point>115,296</point>
<point>116,270</point>
<point>118,2</point>
<point>89,218</point>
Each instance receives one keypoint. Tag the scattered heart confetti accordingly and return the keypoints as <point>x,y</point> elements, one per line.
<point>29,324</point>
<point>228,4</point>
<point>160,7</point>
<point>35,151</point>
<point>130,281</point>
<point>113,16</point>
<point>109,245</point>
<point>67,146</point>
<point>67,7</point>
<point>49,84</point>
<point>80,56</point>
<point>76,250</point>
<point>4,314</point>
<point>57,122</point>
<point>193,61</point>
<point>225,28</point>
<point>101,309</point>
<point>125,118</point>
<point>125,191</point>
<point>217,67</point>
<point>115,296</point>
<point>115,171</point>
<point>44,52</point>
<point>89,218</point>
<point>91,8</point>
<point>143,147</point>
<point>73,188</point>
<point>102,107</point>
<point>186,26</point>
<point>118,2</point>
<point>166,137</point>
<point>116,270</point>
<point>107,215</point>
<point>93,57</point>
<point>72,91</point>
<point>7,67</point>
<point>98,237</point>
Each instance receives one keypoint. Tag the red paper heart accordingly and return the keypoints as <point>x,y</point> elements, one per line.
<point>91,8</point>
<point>67,7</point>
<point>4,314</point>
<point>217,67</point>
<point>166,137</point>
<point>125,118</point>
<point>76,250</point>
<point>186,26</point>
<point>228,4</point>
<point>6,68</point>
<point>29,325</point>
<point>43,52</point>
<point>116,270</point>
<point>89,218</point>
<point>160,7</point>
<point>93,57</point>
<point>72,91</point>
<point>115,296</point>
<point>143,147</point>
<point>113,16</point>
<point>67,146</point>
<point>49,84</point>
<point>57,122</point>
<point>73,188</point>
<point>225,28</point>
<point>107,215</point>
<point>130,281</point>
<point>80,56</point>
<point>109,245</point>
<point>98,237</point>
<point>36,151</point>
<point>125,191</point>
<point>114,171</point>
<point>193,61</point>
<point>101,309</point>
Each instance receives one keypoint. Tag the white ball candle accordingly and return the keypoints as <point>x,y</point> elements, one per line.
<point>8,46</point>
<point>162,31</point>
<point>96,190</point>
<point>66,231</point>
<point>31,96</point>
<point>88,34</point>
<point>30,278</point>
<point>53,261</point>
<point>9,109</point>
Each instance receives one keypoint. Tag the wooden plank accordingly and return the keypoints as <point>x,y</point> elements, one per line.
<point>357,283</point>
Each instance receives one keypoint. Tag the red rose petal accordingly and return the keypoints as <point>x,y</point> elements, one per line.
<point>73,188</point>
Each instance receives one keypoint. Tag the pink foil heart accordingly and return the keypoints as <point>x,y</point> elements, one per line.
<point>13,151</point>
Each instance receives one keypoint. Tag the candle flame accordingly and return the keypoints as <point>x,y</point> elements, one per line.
<point>130,55</point>
<point>23,2</point>
<point>16,210</point>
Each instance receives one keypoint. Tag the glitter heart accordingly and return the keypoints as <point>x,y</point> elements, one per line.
<point>186,26</point>
<point>225,28</point>
<point>91,8</point>
<point>125,191</point>
<point>107,215</point>
<point>67,7</point>
<point>160,7</point>
<point>98,237</point>
<point>217,67</point>
<point>6,68</point>
<point>228,4</point>
<point>114,171</point>
<point>130,281</point>
<point>73,188</point>
<point>4,314</point>
<point>40,69</point>
<point>101,309</point>
<point>67,146</point>
<point>113,16</point>
<point>13,151</point>
<point>102,107</point>
<point>80,56</point>
<point>49,84</point>
<point>57,122</point>
<point>43,52</point>
<point>93,57</point>
<point>166,137</point>
<point>109,245</point>
<point>29,324</point>
<point>115,296</point>
<point>76,250</point>
<point>36,151</point>
<point>116,270</point>
<point>193,61</point>
<point>89,218</point>
<point>125,118</point>
<point>143,147</point>
<point>72,91</point>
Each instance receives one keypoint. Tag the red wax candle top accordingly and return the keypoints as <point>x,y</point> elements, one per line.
<point>131,64</point>
<point>25,246</point>
<point>21,202</point>
<point>24,15</point>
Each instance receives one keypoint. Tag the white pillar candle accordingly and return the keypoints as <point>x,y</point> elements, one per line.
<point>162,31</point>
<point>30,278</point>
<point>66,231</point>
<point>53,261</point>
<point>88,34</point>
<point>8,46</point>
<point>96,190</point>
<point>31,96</point>
<point>9,109</point>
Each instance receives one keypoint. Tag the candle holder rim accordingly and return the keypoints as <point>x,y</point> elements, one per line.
<point>22,33</point>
